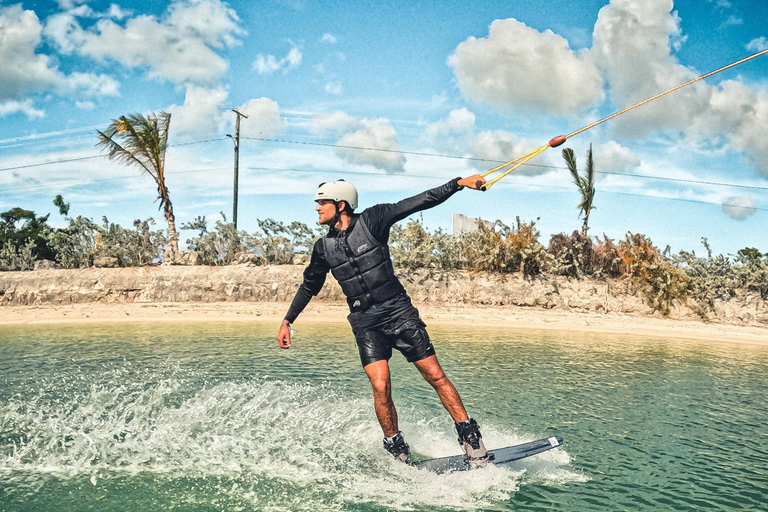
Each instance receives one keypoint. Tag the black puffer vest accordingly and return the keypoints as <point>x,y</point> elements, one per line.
<point>362,266</point>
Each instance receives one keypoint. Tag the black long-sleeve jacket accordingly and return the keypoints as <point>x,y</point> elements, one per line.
<point>379,219</point>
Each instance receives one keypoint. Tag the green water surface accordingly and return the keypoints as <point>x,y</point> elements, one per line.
<point>155,417</point>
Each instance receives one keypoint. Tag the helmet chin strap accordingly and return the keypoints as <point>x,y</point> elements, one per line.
<point>336,217</point>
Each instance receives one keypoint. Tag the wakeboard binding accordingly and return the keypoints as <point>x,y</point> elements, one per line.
<point>397,446</point>
<point>471,441</point>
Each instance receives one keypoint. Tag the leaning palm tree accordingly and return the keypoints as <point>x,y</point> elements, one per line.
<point>142,141</point>
<point>586,184</point>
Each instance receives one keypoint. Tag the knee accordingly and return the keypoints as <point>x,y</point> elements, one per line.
<point>381,388</point>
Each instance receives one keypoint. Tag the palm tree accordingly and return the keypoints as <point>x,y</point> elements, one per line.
<point>142,142</point>
<point>586,184</point>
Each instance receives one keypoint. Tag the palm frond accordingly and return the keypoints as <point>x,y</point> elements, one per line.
<point>590,183</point>
<point>570,160</point>
<point>590,169</point>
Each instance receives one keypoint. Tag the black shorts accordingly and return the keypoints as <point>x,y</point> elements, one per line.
<point>410,338</point>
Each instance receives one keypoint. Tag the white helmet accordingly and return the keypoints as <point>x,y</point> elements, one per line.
<point>337,191</point>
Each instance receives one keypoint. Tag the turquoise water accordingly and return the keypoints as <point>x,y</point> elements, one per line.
<point>153,417</point>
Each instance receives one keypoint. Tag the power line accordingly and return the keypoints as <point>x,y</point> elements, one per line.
<point>680,180</point>
<point>67,160</point>
<point>99,180</point>
<point>429,176</point>
<point>646,176</point>
<point>39,164</point>
<point>436,155</point>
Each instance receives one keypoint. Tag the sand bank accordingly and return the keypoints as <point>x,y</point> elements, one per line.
<point>486,316</point>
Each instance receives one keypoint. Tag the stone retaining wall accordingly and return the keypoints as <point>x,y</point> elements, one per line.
<point>279,283</point>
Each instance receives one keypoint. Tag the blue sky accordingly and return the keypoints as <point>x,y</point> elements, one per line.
<point>433,91</point>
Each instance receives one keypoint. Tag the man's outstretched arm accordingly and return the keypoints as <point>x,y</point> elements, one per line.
<point>381,217</point>
<point>314,279</point>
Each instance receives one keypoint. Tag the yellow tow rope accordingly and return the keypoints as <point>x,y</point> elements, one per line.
<point>556,141</point>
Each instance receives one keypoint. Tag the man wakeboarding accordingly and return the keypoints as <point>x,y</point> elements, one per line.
<point>382,317</point>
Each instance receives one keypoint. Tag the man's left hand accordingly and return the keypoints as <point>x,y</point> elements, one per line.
<point>475,181</point>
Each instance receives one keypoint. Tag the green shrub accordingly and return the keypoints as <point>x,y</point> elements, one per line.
<point>711,279</point>
<point>504,249</point>
<point>132,247</point>
<point>218,247</point>
<point>751,273</point>
<point>644,265</point>
<point>17,258</point>
<point>277,243</point>
<point>19,227</point>
<point>415,247</point>
<point>578,256</point>
<point>75,245</point>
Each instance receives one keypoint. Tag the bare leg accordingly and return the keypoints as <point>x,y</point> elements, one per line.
<point>433,373</point>
<point>378,374</point>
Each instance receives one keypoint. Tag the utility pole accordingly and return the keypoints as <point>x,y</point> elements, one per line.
<point>237,162</point>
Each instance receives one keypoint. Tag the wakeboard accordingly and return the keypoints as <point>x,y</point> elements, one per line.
<point>500,456</point>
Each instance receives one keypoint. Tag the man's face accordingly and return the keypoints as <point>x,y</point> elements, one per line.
<point>326,210</point>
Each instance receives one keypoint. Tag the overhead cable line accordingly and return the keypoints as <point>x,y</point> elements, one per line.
<point>99,180</point>
<point>429,176</point>
<point>647,196</point>
<point>76,159</point>
<point>475,159</point>
<point>437,155</point>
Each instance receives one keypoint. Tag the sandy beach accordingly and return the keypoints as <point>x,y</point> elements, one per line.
<point>335,312</point>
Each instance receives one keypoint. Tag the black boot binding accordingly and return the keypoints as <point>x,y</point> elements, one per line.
<point>471,440</point>
<point>397,446</point>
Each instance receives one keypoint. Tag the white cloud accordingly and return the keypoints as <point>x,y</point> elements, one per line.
<point>263,118</point>
<point>732,20</point>
<point>328,39</point>
<point>457,134</point>
<point>723,4</point>
<point>89,85</point>
<point>269,64</point>
<point>502,146</point>
<point>21,69</point>
<point>380,136</point>
<point>518,67</point>
<point>24,72</point>
<point>739,208</point>
<point>116,12</point>
<point>70,4</point>
<point>634,42</point>
<point>335,122</point>
<point>740,115</point>
<point>451,133</point>
<point>26,107</point>
<point>757,45</point>
<point>613,157</point>
<point>85,105</point>
<point>368,141</point>
<point>201,114</point>
<point>334,88</point>
<point>179,46</point>
<point>212,22</point>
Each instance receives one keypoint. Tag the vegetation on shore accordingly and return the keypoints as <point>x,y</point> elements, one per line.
<point>662,278</point>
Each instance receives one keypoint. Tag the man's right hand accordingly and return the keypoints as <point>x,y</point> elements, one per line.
<point>475,181</point>
<point>284,337</point>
